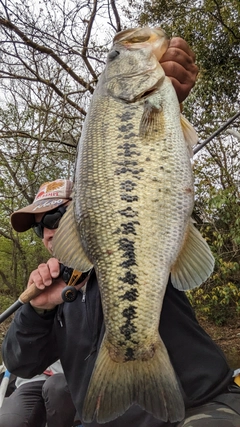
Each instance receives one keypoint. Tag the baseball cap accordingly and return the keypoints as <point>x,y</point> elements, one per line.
<point>49,196</point>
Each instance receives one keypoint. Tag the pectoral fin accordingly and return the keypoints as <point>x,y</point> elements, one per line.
<point>151,118</point>
<point>195,262</point>
<point>67,246</point>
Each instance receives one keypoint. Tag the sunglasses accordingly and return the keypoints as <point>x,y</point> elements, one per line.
<point>50,220</point>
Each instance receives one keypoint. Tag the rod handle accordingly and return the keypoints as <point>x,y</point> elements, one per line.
<point>31,292</point>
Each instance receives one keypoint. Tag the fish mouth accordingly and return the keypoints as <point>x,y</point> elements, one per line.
<point>148,92</point>
<point>143,95</point>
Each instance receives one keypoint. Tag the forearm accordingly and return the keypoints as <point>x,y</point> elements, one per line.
<point>30,345</point>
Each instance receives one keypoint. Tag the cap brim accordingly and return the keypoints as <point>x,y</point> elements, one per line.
<point>23,219</point>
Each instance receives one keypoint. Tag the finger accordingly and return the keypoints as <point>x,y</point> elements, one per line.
<point>45,274</point>
<point>36,278</point>
<point>178,72</point>
<point>179,43</point>
<point>54,267</point>
<point>180,57</point>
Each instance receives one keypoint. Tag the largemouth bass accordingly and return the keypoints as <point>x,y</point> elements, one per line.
<point>130,218</point>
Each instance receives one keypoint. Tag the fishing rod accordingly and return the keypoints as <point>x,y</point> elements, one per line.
<point>31,292</point>
<point>69,293</point>
<point>217,132</point>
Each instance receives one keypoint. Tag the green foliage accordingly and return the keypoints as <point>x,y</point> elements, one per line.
<point>219,298</point>
<point>217,210</point>
<point>5,301</point>
<point>18,257</point>
<point>219,303</point>
<point>25,164</point>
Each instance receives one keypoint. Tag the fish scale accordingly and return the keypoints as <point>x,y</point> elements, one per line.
<point>130,218</point>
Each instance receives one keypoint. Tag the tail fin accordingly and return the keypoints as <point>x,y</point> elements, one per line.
<point>151,384</point>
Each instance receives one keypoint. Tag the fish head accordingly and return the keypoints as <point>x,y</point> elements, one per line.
<point>139,38</point>
<point>133,70</point>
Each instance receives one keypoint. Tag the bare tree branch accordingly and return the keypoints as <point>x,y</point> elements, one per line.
<point>116,14</point>
<point>50,52</point>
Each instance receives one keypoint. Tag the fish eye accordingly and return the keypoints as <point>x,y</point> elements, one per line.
<point>112,55</point>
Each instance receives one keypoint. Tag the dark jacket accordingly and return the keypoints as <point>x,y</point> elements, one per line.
<point>73,332</point>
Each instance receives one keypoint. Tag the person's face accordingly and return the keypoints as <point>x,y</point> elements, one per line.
<point>47,234</point>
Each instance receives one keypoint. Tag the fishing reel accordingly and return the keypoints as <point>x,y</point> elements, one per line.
<point>71,278</point>
<point>69,294</point>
